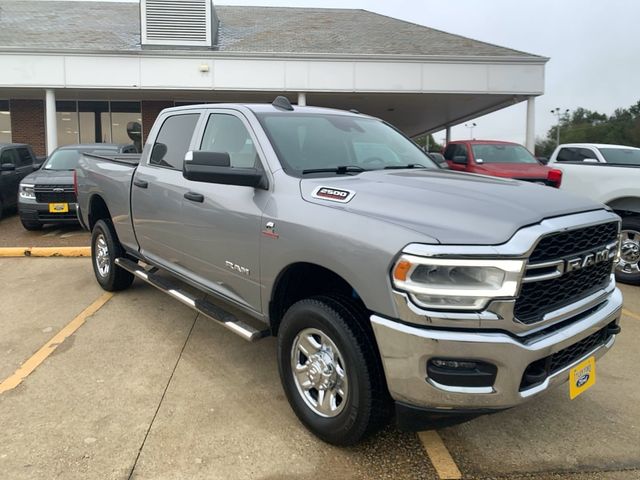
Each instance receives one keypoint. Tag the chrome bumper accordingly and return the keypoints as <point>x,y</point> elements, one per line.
<point>405,351</point>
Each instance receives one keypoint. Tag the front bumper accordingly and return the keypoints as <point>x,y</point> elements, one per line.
<point>39,212</point>
<point>405,351</point>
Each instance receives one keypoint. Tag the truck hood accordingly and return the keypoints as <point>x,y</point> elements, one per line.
<point>50,177</point>
<point>513,170</point>
<point>451,207</point>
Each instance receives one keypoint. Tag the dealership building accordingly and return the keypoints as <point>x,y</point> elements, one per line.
<point>84,72</point>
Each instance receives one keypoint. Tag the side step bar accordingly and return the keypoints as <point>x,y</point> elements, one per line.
<point>215,313</point>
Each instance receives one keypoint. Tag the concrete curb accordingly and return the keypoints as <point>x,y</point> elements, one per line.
<point>45,251</point>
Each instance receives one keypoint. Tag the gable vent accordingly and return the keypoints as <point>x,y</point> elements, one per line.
<point>178,22</point>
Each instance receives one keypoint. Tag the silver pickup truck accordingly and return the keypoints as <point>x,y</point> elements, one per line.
<point>393,286</point>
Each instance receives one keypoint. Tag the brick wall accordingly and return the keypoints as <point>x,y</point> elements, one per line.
<point>28,124</point>
<point>150,110</point>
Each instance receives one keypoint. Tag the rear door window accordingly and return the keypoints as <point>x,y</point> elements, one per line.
<point>575,154</point>
<point>24,157</point>
<point>173,140</point>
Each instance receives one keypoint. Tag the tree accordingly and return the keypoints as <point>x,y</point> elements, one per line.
<point>586,126</point>
<point>432,144</point>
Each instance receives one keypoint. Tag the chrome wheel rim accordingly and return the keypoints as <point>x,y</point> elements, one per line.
<point>629,252</point>
<point>319,372</point>
<point>102,255</point>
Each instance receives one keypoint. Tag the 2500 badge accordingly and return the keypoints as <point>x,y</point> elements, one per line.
<point>333,194</point>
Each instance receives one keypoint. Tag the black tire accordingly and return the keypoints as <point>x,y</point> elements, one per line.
<point>31,225</point>
<point>627,271</point>
<point>367,400</point>
<point>111,278</point>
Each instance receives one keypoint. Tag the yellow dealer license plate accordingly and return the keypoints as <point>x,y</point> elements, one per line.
<point>58,207</point>
<point>582,377</point>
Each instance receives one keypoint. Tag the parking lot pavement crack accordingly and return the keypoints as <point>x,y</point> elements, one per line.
<point>164,392</point>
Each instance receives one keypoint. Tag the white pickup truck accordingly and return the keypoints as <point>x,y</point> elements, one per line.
<point>609,174</point>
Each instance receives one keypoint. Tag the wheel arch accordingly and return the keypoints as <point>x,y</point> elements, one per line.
<point>628,205</point>
<point>98,210</point>
<point>301,280</point>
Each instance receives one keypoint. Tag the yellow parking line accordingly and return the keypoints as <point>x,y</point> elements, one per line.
<point>41,355</point>
<point>45,251</point>
<point>631,314</point>
<point>440,457</point>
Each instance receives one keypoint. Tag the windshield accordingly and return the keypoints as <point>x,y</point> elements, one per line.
<point>621,156</point>
<point>306,143</point>
<point>502,154</point>
<point>67,159</point>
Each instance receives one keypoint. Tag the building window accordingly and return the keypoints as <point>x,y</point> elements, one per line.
<point>99,122</point>
<point>67,121</point>
<point>126,123</point>
<point>5,122</point>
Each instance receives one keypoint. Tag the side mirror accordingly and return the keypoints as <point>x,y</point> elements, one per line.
<point>479,161</point>
<point>543,160</point>
<point>460,159</point>
<point>215,167</point>
<point>7,167</point>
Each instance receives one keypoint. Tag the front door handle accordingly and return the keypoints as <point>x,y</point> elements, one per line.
<point>194,197</point>
<point>140,183</point>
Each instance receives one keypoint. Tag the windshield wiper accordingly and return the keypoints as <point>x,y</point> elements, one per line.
<point>398,167</point>
<point>342,170</point>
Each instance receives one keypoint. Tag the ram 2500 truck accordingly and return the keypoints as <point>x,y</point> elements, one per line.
<point>388,281</point>
<point>609,174</point>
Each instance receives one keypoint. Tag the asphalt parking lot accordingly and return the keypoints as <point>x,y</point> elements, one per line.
<point>146,389</point>
<point>12,234</point>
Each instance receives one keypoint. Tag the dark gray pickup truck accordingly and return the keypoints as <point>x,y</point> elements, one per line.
<point>16,162</point>
<point>388,281</point>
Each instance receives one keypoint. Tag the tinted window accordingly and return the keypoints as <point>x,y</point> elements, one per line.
<point>574,154</point>
<point>9,156</point>
<point>173,141</point>
<point>449,152</point>
<point>502,154</point>
<point>25,157</point>
<point>227,133</point>
<point>621,156</point>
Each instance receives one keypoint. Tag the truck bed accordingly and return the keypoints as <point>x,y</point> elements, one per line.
<point>108,178</point>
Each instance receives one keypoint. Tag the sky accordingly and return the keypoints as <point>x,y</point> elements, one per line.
<point>593,46</point>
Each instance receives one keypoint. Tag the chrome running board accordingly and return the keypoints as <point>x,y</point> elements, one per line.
<point>214,312</point>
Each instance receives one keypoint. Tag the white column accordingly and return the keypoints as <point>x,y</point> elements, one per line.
<point>51,122</point>
<point>531,125</point>
<point>302,99</point>
<point>448,136</point>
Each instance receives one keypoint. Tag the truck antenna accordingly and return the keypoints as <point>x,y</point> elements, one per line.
<point>282,103</point>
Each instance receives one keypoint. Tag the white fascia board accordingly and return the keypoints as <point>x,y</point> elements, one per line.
<point>260,73</point>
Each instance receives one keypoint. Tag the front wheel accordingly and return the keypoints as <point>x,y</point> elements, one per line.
<point>330,370</point>
<point>31,225</point>
<point>628,268</point>
<point>105,248</point>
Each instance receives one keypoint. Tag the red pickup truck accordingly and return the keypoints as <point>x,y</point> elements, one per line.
<point>499,159</point>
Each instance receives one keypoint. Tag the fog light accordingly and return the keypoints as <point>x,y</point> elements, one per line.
<point>461,372</point>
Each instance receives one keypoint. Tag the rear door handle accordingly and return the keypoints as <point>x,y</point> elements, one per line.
<point>194,197</point>
<point>140,183</point>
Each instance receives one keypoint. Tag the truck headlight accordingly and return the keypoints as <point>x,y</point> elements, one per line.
<point>26,191</point>
<point>456,284</point>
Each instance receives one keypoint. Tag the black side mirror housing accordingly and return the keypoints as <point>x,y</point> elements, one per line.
<point>7,167</point>
<point>215,167</point>
<point>543,160</point>
<point>460,159</point>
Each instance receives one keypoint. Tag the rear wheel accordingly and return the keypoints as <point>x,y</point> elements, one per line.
<point>628,268</point>
<point>330,371</point>
<point>105,248</point>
